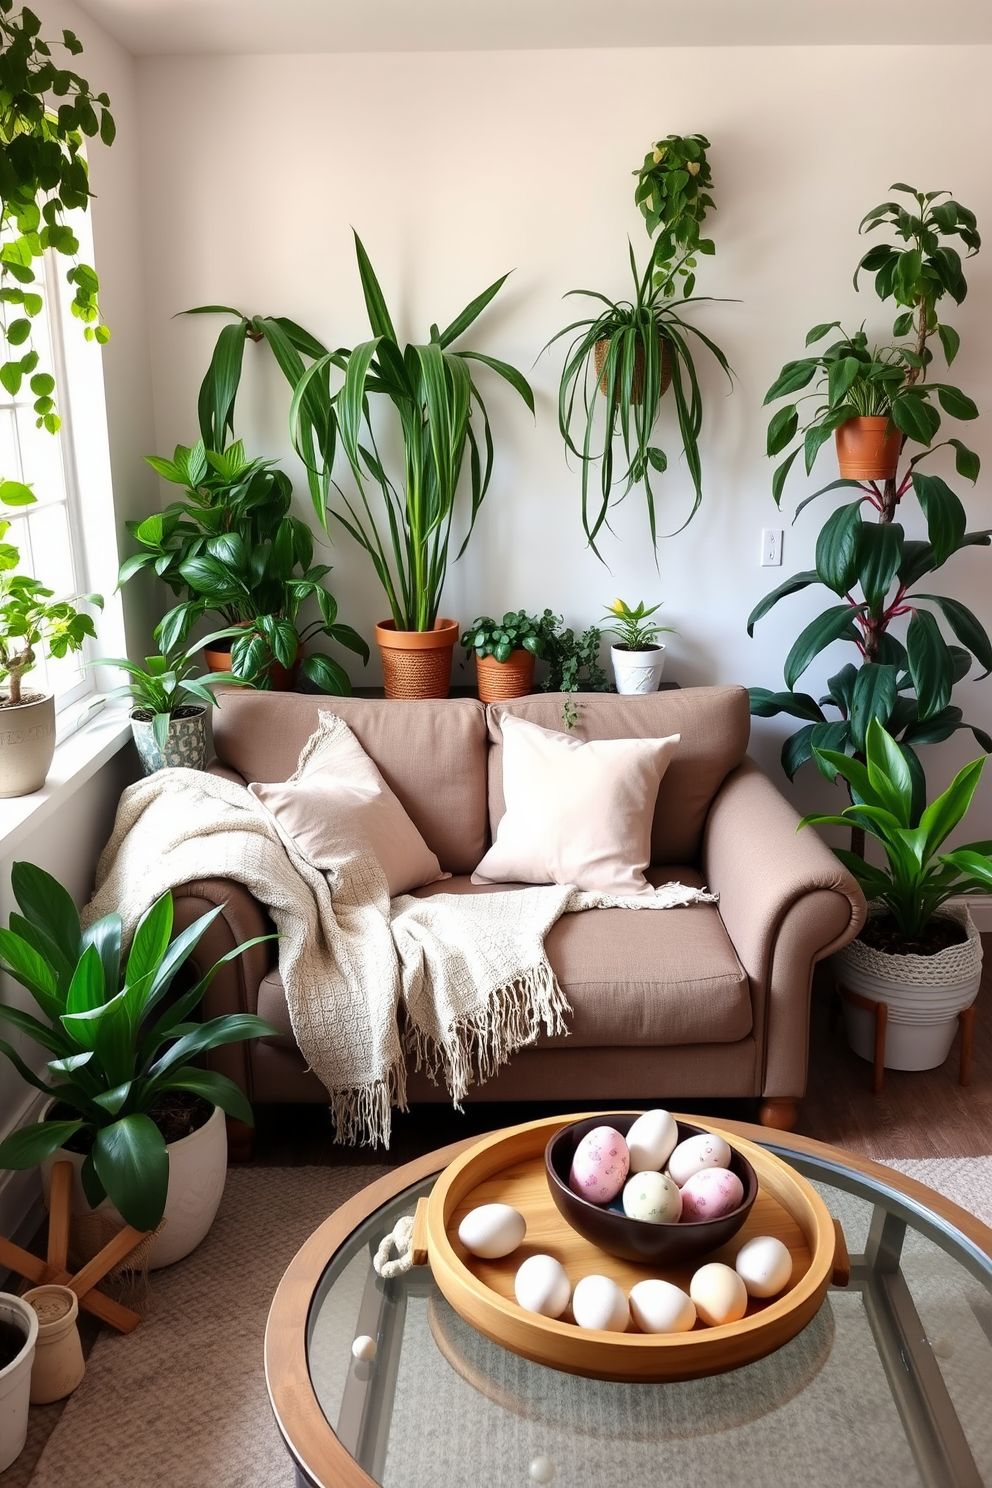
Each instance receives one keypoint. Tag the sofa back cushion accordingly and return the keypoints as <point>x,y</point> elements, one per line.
<point>714,723</point>
<point>431,754</point>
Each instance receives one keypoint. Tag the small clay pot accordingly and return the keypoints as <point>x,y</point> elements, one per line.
<point>58,1357</point>
<point>868,449</point>
<point>499,680</point>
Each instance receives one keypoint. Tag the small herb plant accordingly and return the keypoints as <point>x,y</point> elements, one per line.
<point>636,630</point>
<point>166,685</point>
<point>672,191</point>
<point>500,638</point>
<point>46,111</point>
<point>573,661</point>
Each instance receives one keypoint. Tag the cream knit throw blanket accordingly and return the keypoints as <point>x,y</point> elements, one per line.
<point>465,976</point>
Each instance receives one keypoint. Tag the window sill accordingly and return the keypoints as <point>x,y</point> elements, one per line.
<point>77,759</point>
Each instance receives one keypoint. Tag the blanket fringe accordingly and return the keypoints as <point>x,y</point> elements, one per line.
<point>363,1115</point>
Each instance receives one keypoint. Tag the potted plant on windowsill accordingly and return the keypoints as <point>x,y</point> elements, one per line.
<point>917,953</point>
<point>638,656</point>
<point>505,651</point>
<point>123,1050</point>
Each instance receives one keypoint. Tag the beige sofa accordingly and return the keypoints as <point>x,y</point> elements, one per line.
<point>698,1002</point>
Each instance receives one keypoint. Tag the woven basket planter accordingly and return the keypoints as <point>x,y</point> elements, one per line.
<point>600,351</point>
<point>416,663</point>
<point>923,994</point>
<point>868,449</point>
<point>499,680</point>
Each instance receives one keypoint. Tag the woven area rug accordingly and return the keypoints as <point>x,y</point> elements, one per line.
<point>181,1402</point>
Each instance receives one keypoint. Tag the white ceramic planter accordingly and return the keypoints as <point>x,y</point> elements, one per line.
<point>27,746</point>
<point>15,1379</point>
<point>923,994</point>
<point>637,671</point>
<point>197,1174</point>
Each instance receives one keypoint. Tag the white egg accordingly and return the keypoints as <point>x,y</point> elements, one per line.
<point>364,1347</point>
<point>652,1140</point>
<point>719,1294</point>
<point>541,1285</point>
<point>653,1197</point>
<point>764,1265</point>
<point>598,1302</point>
<point>660,1307</point>
<point>705,1151</point>
<point>492,1230</point>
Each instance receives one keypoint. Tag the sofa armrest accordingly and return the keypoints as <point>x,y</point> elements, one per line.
<point>786,902</point>
<point>235,987</point>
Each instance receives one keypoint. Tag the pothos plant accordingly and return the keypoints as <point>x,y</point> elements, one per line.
<point>46,112</point>
<point>672,191</point>
<point>904,668</point>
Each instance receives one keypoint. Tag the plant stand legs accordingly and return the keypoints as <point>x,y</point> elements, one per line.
<point>880,1012</point>
<point>778,1112</point>
<point>240,1140</point>
<point>53,1269</point>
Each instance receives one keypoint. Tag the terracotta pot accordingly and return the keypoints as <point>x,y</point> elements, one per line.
<point>283,679</point>
<point>416,663</point>
<point>868,449</point>
<point>637,383</point>
<point>511,678</point>
<point>27,745</point>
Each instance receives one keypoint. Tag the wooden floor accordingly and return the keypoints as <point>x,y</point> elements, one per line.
<point>926,1114</point>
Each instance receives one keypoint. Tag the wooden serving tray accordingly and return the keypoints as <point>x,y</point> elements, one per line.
<point>508,1168</point>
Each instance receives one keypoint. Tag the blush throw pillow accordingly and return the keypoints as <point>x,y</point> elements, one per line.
<point>576,813</point>
<point>337,801</point>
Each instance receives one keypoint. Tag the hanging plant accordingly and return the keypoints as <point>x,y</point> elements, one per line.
<point>46,111</point>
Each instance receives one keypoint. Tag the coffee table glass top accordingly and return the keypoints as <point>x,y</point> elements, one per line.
<point>890,1383</point>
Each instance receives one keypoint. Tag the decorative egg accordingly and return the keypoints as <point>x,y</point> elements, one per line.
<point>599,1166</point>
<point>541,1285</point>
<point>710,1193</point>
<point>364,1347</point>
<point>661,1307</point>
<point>492,1230</point>
<point>719,1294</point>
<point>653,1197</point>
<point>651,1141</point>
<point>705,1151</point>
<point>598,1302</point>
<point>764,1265</point>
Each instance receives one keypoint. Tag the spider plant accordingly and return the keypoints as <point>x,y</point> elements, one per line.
<point>641,342</point>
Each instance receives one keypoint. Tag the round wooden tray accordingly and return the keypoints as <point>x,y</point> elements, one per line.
<point>508,1168</point>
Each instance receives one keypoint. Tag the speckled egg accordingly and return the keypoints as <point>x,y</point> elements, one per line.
<point>651,1141</point>
<point>705,1151</point>
<point>661,1307</point>
<point>599,1166</point>
<point>764,1265</point>
<point>719,1294</point>
<point>653,1197</point>
<point>598,1302</point>
<point>542,1285</point>
<point>710,1193</point>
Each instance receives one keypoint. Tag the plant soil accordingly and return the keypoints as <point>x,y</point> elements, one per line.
<point>26,697</point>
<point>177,1114</point>
<point>145,715</point>
<point>883,934</point>
<point>12,1340</point>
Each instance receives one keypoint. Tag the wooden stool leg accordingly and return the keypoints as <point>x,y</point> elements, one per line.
<point>966,1018</point>
<point>878,1068</point>
<point>59,1210</point>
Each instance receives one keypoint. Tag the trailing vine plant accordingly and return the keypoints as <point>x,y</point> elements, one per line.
<point>903,680</point>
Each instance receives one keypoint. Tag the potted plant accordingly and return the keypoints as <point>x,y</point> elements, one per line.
<point>632,350</point>
<point>122,1066</point>
<point>44,177</point>
<point>403,523</point>
<point>505,651</point>
<point>231,547</point>
<point>917,953</point>
<point>31,619</point>
<point>18,1340</point>
<point>638,656</point>
<point>874,573</point>
<point>170,702</point>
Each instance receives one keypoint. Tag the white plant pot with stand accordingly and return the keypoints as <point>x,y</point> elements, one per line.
<point>638,670</point>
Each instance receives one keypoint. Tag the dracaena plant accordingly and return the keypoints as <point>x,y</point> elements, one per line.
<point>917,878</point>
<point>118,1037</point>
<point>905,665</point>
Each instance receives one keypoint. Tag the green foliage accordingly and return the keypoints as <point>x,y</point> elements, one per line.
<point>402,522</point>
<point>119,1042</point>
<point>863,556</point>
<point>169,682</point>
<point>43,176</point>
<point>918,879</point>
<point>231,547</point>
<point>517,631</point>
<point>672,191</point>
<point>634,627</point>
<point>573,661</point>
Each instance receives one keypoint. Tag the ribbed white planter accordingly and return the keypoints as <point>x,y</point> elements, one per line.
<point>638,671</point>
<point>923,994</point>
<point>15,1379</point>
<point>197,1174</point>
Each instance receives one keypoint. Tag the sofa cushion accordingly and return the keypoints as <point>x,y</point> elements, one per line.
<point>633,977</point>
<point>714,724</point>
<point>431,754</point>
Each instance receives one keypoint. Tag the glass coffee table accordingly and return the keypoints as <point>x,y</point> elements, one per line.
<point>891,1382</point>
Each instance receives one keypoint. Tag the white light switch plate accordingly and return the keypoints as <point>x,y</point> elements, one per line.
<point>771,547</point>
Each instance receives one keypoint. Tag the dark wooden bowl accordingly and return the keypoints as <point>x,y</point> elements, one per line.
<point>640,1240</point>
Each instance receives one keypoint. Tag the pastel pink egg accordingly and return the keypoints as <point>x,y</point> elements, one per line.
<point>710,1193</point>
<point>600,1165</point>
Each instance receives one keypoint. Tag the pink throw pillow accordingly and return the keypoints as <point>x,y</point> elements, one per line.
<point>337,801</point>
<point>576,813</point>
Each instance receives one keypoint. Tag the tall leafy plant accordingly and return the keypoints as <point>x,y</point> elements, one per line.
<point>904,667</point>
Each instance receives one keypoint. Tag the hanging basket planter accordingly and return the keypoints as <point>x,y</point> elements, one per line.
<point>868,449</point>
<point>416,663</point>
<point>600,352</point>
